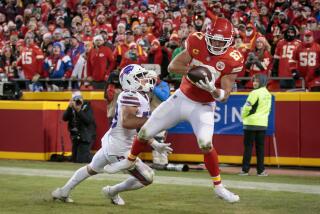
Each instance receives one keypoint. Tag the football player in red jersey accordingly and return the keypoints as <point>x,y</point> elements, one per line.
<point>307,57</point>
<point>195,103</point>
<point>284,52</point>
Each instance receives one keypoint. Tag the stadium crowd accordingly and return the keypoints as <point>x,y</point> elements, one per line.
<point>83,41</point>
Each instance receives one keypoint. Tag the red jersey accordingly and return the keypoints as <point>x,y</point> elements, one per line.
<point>284,52</point>
<point>308,60</point>
<point>228,63</point>
<point>100,63</point>
<point>31,61</point>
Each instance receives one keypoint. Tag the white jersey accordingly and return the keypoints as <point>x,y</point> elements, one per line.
<point>118,140</point>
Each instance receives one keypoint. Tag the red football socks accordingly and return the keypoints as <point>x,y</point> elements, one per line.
<point>212,164</point>
<point>138,146</point>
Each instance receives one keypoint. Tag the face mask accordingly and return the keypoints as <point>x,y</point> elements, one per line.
<point>248,33</point>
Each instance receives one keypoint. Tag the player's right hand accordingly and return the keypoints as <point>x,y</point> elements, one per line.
<point>207,85</point>
<point>163,148</point>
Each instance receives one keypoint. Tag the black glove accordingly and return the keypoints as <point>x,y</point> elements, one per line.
<point>295,74</point>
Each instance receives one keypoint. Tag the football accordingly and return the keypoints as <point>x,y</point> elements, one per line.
<point>198,73</point>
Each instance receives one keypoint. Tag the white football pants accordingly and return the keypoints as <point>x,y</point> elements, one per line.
<point>180,108</point>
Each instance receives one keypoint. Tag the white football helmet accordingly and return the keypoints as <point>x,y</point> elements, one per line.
<point>136,78</point>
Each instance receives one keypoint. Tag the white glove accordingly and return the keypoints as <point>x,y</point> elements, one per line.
<point>161,147</point>
<point>207,85</point>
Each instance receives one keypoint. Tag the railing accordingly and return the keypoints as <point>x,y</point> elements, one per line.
<point>303,84</point>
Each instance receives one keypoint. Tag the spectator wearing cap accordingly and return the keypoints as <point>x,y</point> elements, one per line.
<point>251,36</point>
<point>106,38</point>
<point>312,25</point>
<point>300,18</point>
<point>102,25</point>
<point>154,25</point>
<point>57,66</point>
<point>119,50</point>
<point>307,58</point>
<point>167,28</point>
<point>132,56</point>
<point>30,62</point>
<point>159,54</point>
<point>100,63</point>
<point>174,42</point>
<point>46,45</point>
<point>129,39</point>
<point>60,22</point>
<point>121,29</point>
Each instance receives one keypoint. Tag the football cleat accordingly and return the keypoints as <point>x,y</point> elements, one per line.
<point>225,194</point>
<point>115,199</point>
<point>58,194</point>
<point>118,166</point>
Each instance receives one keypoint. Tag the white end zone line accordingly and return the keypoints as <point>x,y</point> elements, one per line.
<point>299,188</point>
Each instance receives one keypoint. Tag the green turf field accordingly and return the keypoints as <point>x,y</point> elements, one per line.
<point>31,194</point>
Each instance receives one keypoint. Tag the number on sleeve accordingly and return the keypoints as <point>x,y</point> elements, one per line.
<point>236,55</point>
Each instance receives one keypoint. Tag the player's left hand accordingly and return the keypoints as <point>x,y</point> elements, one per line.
<point>163,148</point>
<point>207,85</point>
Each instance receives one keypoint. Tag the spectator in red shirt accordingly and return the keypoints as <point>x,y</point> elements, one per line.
<point>132,56</point>
<point>307,57</point>
<point>283,63</point>
<point>100,63</point>
<point>30,61</point>
<point>259,61</point>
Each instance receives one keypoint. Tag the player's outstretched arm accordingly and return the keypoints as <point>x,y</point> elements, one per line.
<point>180,63</point>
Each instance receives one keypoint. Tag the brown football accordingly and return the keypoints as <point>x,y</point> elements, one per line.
<point>198,73</point>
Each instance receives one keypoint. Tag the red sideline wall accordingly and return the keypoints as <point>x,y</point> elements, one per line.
<point>34,130</point>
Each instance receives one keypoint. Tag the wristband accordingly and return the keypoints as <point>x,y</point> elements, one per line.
<point>222,94</point>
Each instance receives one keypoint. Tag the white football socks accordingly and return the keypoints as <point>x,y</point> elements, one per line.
<point>79,175</point>
<point>130,184</point>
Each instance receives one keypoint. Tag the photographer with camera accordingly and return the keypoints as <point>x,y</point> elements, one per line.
<point>82,127</point>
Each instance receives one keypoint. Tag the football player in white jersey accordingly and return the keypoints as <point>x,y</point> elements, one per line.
<point>132,111</point>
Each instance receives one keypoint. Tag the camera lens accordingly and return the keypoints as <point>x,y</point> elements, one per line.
<point>78,102</point>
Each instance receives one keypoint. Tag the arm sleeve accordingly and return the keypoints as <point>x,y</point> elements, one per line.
<point>162,91</point>
<point>67,115</point>
<point>252,98</point>
<point>85,115</point>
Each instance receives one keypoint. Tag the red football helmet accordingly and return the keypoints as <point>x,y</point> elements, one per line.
<point>219,36</point>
